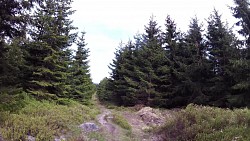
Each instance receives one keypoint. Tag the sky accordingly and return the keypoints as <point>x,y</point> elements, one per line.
<point>107,23</point>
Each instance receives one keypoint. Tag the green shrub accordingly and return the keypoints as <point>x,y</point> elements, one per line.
<point>13,101</point>
<point>44,120</point>
<point>65,101</point>
<point>208,123</point>
<point>121,121</point>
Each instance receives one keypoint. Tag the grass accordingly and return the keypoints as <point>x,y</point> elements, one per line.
<point>121,121</point>
<point>44,120</point>
<point>202,123</point>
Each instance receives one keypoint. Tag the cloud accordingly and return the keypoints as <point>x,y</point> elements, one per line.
<point>102,50</point>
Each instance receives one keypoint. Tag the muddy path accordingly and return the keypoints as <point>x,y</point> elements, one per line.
<point>105,120</point>
<point>142,121</point>
<point>109,130</point>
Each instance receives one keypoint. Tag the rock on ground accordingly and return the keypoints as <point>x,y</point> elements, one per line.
<point>89,127</point>
<point>31,138</point>
<point>61,138</point>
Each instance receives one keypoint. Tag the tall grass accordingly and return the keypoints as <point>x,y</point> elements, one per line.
<point>121,121</point>
<point>202,123</point>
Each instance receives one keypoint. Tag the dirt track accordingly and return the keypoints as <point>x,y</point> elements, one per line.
<point>103,119</point>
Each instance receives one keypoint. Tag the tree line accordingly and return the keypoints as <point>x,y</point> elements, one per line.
<point>36,55</point>
<point>169,68</point>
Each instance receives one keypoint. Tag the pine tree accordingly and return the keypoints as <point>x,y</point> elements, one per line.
<point>175,52</point>
<point>197,69</point>
<point>9,23</point>
<point>241,65</point>
<point>151,64</point>
<point>220,42</point>
<point>118,76</point>
<point>50,38</point>
<point>82,86</point>
<point>12,32</point>
<point>104,92</point>
<point>126,83</point>
<point>12,21</point>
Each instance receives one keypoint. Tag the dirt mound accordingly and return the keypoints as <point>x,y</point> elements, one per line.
<point>151,117</point>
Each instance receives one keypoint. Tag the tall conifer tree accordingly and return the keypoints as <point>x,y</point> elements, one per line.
<point>241,65</point>
<point>220,42</point>
<point>12,32</point>
<point>82,86</point>
<point>50,38</point>
<point>197,69</point>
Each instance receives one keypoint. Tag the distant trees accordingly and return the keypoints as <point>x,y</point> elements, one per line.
<point>104,92</point>
<point>172,69</point>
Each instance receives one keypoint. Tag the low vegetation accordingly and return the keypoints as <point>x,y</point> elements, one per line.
<point>121,121</point>
<point>202,123</point>
<point>44,120</point>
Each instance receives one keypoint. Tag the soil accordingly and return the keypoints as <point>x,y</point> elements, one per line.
<point>106,124</point>
<point>109,129</point>
<point>143,121</point>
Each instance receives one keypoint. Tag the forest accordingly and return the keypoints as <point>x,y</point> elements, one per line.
<point>46,89</point>
<point>170,68</point>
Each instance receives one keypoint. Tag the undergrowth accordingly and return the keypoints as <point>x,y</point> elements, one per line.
<point>121,121</point>
<point>202,123</point>
<point>44,120</point>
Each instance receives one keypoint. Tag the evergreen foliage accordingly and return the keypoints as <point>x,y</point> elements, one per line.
<point>12,32</point>
<point>36,55</point>
<point>197,66</point>
<point>241,64</point>
<point>49,40</point>
<point>220,45</point>
<point>161,68</point>
<point>172,69</point>
<point>104,93</point>
<point>82,86</point>
<point>123,73</point>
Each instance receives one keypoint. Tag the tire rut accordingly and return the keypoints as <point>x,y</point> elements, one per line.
<point>107,125</point>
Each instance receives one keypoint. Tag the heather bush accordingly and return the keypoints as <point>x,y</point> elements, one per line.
<point>208,123</point>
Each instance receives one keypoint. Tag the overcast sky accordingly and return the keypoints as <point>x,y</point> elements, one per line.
<point>108,22</point>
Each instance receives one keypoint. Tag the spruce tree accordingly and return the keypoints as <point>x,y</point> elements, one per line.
<point>10,24</point>
<point>50,38</point>
<point>104,92</point>
<point>197,69</point>
<point>12,36</point>
<point>175,53</point>
<point>151,64</point>
<point>124,83</point>
<point>220,43</point>
<point>82,86</point>
<point>119,85</point>
<point>241,65</point>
